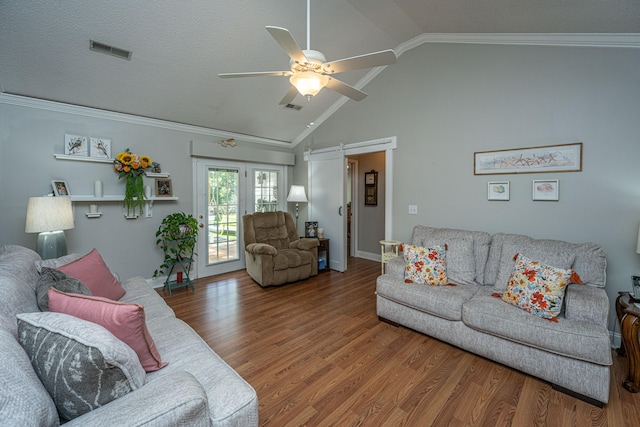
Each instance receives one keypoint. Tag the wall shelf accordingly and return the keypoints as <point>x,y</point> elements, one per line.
<point>82,158</point>
<point>148,203</point>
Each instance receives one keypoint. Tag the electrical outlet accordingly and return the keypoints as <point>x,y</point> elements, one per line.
<point>413,209</point>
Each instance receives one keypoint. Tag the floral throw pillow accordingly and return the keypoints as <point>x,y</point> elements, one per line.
<point>538,288</point>
<point>425,266</point>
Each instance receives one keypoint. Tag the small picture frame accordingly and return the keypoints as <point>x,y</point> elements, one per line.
<point>100,148</point>
<point>60,187</point>
<point>498,190</point>
<point>164,187</point>
<point>311,229</point>
<point>546,190</point>
<point>76,145</point>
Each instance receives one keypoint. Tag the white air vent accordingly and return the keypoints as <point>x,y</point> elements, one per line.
<point>109,50</point>
<point>293,107</point>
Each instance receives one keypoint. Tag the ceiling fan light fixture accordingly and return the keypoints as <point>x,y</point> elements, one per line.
<point>309,83</point>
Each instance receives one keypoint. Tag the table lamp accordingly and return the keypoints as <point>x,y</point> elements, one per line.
<point>49,216</point>
<point>297,195</point>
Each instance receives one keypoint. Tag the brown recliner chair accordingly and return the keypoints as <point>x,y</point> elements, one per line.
<point>274,253</point>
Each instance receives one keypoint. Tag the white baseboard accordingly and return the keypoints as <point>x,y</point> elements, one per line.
<point>368,255</point>
<point>157,282</point>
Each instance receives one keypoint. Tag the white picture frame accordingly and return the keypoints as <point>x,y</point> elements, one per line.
<point>60,187</point>
<point>100,148</point>
<point>76,145</point>
<point>498,190</point>
<point>546,190</point>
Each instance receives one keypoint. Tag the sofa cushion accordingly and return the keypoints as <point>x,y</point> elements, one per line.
<point>481,242</point>
<point>590,262</point>
<point>81,364</point>
<point>24,401</point>
<point>538,288</point>
<point>535,250</point>
<point>52,278</point>
<point>56,262</point>
<point>16,296</point>
<point>460,260</point>
<point>441,301</point>
<point>578,340</point>
<point>93,272</point>
<point>425,266</point>
<point>125,321</point>
<point>21,262</point>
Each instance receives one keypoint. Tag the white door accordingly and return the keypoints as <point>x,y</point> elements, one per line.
<point>226,190</point>
<point>327,202</point>
<point>219,207</point>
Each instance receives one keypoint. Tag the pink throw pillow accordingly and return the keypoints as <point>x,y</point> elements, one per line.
<point>125,321</point>
<point>94,273</point>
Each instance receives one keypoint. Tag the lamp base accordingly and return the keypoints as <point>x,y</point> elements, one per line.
<point>51,244</point>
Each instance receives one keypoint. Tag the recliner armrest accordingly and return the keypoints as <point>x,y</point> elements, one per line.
<point>585,303</point>
<point>304,244</point>
<point>261,249</point>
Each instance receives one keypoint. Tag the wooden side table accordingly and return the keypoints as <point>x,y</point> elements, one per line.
<point>629,318</point>
<point>323,247</point>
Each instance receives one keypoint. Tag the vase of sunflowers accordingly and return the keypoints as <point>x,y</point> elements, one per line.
<point>131,167</point>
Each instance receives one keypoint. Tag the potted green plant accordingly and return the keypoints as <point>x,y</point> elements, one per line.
<point>177,237</point>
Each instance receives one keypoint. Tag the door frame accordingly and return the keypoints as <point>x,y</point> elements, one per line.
<point>365,147</point>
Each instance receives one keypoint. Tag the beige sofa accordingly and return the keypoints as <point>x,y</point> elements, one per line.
<point>274,254</point>
<point>574,353</point>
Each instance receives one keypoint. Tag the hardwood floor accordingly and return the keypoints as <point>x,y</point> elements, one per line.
<point>317,355</point>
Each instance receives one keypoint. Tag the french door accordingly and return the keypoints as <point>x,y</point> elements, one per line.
<point>225,191</point>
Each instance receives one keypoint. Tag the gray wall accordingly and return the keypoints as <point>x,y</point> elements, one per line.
<point>29,137</point>
<point>370,219</point>
<point>446,101</point>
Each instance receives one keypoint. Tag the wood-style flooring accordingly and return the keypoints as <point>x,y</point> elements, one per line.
<point>317,355</point>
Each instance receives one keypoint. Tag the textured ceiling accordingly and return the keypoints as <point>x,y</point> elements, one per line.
<point>179,47</point>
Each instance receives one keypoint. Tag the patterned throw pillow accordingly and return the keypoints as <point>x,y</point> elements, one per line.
<point>425,265</point>
<point>538,288</point>
<point>81,364</point>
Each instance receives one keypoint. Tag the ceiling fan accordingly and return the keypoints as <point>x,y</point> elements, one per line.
<point>310,71</point>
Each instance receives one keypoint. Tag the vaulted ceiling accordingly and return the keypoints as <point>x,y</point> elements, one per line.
<point>178,48</point>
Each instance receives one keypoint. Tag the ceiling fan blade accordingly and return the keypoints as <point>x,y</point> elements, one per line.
<point>370,60</point>
<point>288,43</point>
<point>346,90</point>
<point>256,74</point>
<point>288,97</point>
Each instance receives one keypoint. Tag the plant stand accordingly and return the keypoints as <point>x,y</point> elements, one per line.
<point>182,267</point>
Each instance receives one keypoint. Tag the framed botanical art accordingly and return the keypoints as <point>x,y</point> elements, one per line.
<point>498,190</point>
<point>100,148</point>
<point>76,145</point>
<point>546,189</point>
<point>548,158</point>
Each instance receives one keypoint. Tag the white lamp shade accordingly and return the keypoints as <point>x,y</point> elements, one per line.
<point>309,83</point>
<point>48,214</point>
<point>297,194</point>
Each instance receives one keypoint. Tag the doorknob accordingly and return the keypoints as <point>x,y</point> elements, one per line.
<point>340,211</point>
<point>200,216</point>
<point>201,225</point>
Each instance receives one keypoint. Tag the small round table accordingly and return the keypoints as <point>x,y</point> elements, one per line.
<point>386,255</point>
<point>629,318</point>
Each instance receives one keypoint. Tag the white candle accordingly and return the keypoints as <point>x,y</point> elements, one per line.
<point>147,191</point>
<point>97,188</point>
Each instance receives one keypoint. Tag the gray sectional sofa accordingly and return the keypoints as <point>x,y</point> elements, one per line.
<point>196,388</point>
<point>574,353</point>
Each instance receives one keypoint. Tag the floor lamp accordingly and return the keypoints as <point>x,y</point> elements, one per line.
<point>49,216</point>
<point>297,196</point>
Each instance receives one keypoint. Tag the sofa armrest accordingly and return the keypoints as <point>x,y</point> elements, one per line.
<point>586,304</point>
<point>395,267</point>
<point>261,249</point>
<point>304,244</point>
<point>174,399</point>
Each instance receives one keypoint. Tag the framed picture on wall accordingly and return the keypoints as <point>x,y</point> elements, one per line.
<point>498,190</point>
<point>546,189</point>
<point>76,145</point>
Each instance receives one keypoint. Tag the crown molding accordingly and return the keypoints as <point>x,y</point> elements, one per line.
<point>609,40</point>
<point>60,107</point>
